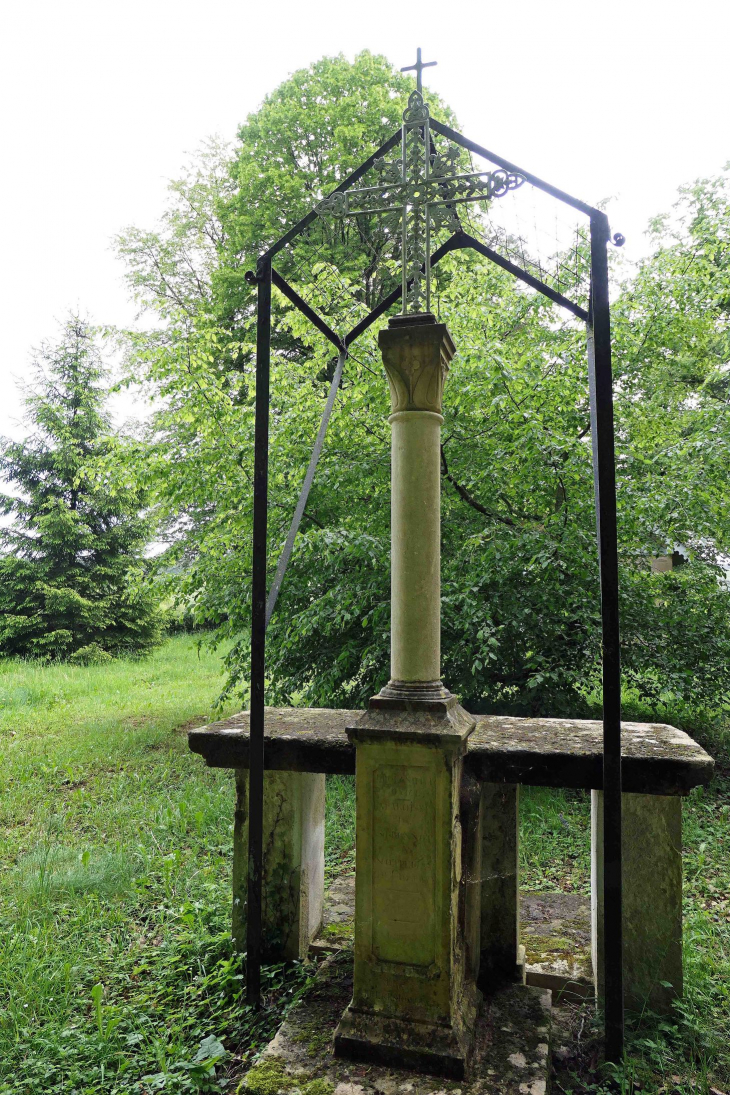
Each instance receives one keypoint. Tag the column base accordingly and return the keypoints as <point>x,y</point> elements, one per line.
<point>418,695</point>
<point>404,1043</point>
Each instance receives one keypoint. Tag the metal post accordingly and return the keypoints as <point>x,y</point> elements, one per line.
<point>258,637</point>
<point>601,399</point>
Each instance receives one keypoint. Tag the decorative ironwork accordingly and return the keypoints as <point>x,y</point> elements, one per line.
<point>598,329</point>
<point>419,193</point>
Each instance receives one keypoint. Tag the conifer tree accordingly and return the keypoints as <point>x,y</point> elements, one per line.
<point>73,576</point>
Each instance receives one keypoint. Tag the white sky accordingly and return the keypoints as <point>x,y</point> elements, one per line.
<point>101,101</point>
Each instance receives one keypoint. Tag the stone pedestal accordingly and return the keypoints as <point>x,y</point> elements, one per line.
<point>502,958</point>
<point>293,884</point>
<point>652,899</point>
<point>413,1002</point>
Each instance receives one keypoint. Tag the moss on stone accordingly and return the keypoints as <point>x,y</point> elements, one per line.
<point>540,947</point>
<point>342,930</point>
<point>316,1038</point>
<point>269,1077</point>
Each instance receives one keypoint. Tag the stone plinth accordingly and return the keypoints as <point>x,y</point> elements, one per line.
<point>413,1004</point>
<point>293,885</point>
<point>511,1053</point>
<point>652,899</point>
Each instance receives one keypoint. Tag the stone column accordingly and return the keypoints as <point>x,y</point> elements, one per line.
<point>293,883</point>
<point>413,1003</point>
<point>652,899</point>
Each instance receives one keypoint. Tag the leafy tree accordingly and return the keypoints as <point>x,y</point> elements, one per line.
<point>521,615</point>
<point>72,568</point>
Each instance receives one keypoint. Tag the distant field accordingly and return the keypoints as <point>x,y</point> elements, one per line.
<point>116,968</point>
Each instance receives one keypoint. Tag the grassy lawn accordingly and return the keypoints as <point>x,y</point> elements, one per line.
<point>115,958</point>
<point>116,968</point>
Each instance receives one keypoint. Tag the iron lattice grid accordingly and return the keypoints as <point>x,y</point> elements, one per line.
<point>555,244</point>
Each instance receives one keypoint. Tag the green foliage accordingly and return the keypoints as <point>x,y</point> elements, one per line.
<point>521,612</point>
<point>72,569</point>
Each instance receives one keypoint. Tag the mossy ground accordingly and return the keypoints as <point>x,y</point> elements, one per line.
<point>269,1077</point>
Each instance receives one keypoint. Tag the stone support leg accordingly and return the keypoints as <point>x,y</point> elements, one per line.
<point>502,958</point>
<point>293,888</point>
<point>652,899</point>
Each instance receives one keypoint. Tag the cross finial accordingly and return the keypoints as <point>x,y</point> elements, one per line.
<point>419,67</point>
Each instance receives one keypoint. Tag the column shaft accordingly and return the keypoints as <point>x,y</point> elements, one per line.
<point>415,546</point>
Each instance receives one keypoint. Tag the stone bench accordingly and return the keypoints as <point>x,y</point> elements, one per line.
<point>661,765</point>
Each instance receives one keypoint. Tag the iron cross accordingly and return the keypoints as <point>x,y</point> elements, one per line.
<point>417,194</point>
<point>419,67</point>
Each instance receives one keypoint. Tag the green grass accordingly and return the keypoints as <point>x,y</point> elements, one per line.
<point>115,955</point>
<point>688,1054</point>
<point>339,832</point>
<point>117,974</point>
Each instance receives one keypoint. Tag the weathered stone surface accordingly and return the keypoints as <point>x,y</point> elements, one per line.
<point>556,933</point>
<point>658,759</point>
<point>411,1000</point>
<point>293,886</point>
<point>652,899</point>
<point>302,739</point>
<point>511,1048</point>
<point>338,916</point>
<point>500,936</point>
<point>555,929</point>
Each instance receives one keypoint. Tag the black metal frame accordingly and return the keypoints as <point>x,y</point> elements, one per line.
<point>598,326</point>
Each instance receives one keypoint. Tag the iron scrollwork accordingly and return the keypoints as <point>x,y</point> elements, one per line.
<point>417,193</point>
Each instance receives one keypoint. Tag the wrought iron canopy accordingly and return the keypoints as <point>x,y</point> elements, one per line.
<point>418,195</point>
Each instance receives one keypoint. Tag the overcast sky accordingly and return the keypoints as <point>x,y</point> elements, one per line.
<point>102,102</point>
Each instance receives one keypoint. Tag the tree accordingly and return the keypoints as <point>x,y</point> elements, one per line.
<point>72,569</point>
<point>521,614</point>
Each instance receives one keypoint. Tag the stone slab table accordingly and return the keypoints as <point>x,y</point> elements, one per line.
<point>661,765</point>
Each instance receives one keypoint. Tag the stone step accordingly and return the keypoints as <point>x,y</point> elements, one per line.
<point>512,1052</point>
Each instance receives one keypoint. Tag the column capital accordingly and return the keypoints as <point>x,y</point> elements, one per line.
<point>417,352</point>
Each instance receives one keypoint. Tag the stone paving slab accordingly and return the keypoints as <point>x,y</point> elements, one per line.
<point>555,929</point>
<point>658,759</point>
<point>512,1055</point>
